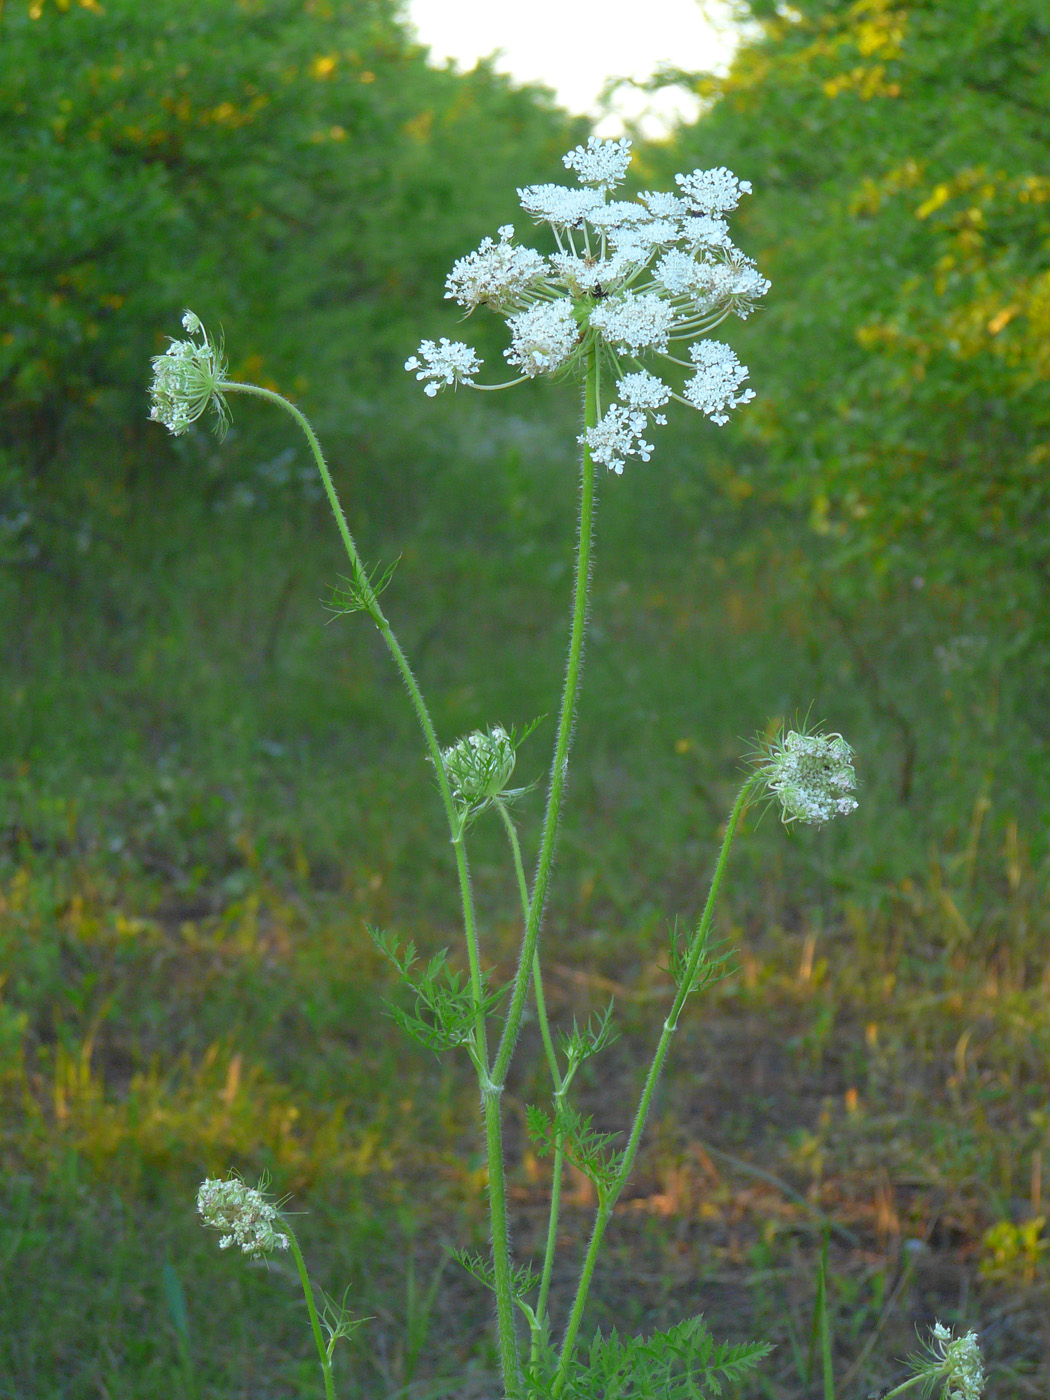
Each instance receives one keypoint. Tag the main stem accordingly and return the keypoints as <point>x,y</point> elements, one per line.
<point>491,1083</point>
<point>685,986</point>
<point>559,767</point>
<point>556,1079</point>
<point>528,959</point>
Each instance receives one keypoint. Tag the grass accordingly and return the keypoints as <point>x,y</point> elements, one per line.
<point>207,794</point>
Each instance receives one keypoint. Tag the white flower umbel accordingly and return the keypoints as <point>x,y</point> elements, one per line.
<point>187,379</point>
<point>627,280</point>
<point>243,1213</point>
<point>450,362</point>
<point>810,775</point>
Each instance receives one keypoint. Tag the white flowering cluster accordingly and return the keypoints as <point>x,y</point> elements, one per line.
<point>630,279</point>
<point>186,379</point>
<point>811,776</point>
<point>243,1213</point>
<point>957,1361</point>
<point>479,767</point>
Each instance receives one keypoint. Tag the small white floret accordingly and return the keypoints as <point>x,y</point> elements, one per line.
<point>643,390</point>
<point>559,205</point>
<point>716,385</point>
<point>495,274</point>
<point>634,322</point>
<point>664,205</point>
<point>617,436</point>
<point>712,191</point>
<point>585,277</point>
<point>543,337</point>
<point>601,163</point>
<point>450,362</point>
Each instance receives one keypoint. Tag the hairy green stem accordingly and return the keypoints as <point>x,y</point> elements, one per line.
<point>537,981</point>
<point>491,1084</point>
<point>558,1082</point>
<point>560,766</point>
<point>315,1321</point>
<point>686,978</point>
<point>534,907</point>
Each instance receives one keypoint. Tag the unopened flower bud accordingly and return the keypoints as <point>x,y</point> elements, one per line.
<point>479,767</point>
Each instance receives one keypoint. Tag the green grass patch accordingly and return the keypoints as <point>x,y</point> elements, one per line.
<point>210,788</point>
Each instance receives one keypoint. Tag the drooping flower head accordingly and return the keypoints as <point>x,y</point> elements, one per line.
<point>809,774</point>
<point>632,280</point>
<point>187,379</point>
<point>952,1362</point>
<point>247,1218</point>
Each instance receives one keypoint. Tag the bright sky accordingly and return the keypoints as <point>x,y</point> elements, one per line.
<point>573,46</point>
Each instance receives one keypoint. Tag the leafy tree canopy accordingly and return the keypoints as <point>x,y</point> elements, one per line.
<point>897,148</point>
<point>292,169</point>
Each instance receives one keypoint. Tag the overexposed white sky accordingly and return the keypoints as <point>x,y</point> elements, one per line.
<point>573,46</point>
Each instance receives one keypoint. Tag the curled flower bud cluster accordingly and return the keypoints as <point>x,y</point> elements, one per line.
<point>245,1215</point>
<point>811,776</point>
<point>957,1362</point>
<point>188,378</point>
<point>479,767</point>
<point>630,279</point>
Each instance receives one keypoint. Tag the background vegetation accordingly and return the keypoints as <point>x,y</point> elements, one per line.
<point>206,792</point>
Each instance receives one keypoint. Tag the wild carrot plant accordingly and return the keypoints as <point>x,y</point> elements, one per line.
<point>629,282</point>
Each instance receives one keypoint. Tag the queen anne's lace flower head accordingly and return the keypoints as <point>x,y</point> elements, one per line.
<point>188,379</point>
<point>244,1214</point>
<point>627,281</point>
<point>955,1362</point>
<point>810,775</point>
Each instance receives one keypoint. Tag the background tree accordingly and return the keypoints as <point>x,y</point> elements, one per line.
<point>291,168</point>
<point>900,146</point>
